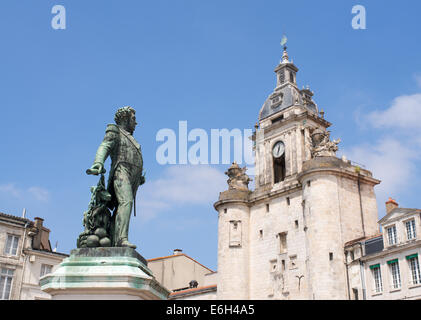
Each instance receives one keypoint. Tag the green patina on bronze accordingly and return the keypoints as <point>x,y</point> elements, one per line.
<point>101,228</point>
<point>106,270</point>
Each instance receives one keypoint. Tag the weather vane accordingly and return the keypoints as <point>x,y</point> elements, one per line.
<point>284,41</point>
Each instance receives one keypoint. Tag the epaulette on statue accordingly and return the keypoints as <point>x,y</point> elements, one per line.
<point>112,128</point>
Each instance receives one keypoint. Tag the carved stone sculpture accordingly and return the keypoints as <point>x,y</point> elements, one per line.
<point>238,179</point>
<point>321,145</point>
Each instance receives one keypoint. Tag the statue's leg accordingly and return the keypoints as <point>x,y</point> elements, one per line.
<point>124,195</point>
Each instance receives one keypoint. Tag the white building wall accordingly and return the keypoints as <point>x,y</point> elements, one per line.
<point>26,263</point>
<point>408,290</point>
<point>176,271</point>
<point>14,262</point>
<point>370,209</point>
<point>325,238</point>
<point>33,264</point>
<point>233,257</point>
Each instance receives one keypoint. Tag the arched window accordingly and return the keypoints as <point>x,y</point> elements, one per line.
<point>279,168</point>
<point>278,158</point>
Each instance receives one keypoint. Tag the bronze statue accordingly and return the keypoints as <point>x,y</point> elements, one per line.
<point>97,219</point>
<point>126,175</point>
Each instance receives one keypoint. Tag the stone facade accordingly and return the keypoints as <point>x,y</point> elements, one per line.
<point>285,239</point>
<point>25,255</point>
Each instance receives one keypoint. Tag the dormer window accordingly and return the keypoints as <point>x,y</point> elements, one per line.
<point>276,100</point>
<point>391,235</point>
<point>410,229</point>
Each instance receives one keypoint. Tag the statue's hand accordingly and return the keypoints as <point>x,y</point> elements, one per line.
<point>96,169</point>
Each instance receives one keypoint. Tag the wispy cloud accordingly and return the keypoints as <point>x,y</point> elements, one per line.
<point>394,156</point>
<point>35,192</point>
<point>40,194</point>
<point>10,189</point>
<point>403,114</point>
<point>180,185</point>
<point>390,161</point>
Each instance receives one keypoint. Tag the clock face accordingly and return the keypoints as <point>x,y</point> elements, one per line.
<point>278,149</point>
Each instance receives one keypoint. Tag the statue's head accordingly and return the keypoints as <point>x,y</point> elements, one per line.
<point>126,118</point>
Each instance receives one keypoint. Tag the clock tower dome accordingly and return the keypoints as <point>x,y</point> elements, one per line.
<point>286,121</point>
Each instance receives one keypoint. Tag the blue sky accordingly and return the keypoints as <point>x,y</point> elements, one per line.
<point>210,63</point>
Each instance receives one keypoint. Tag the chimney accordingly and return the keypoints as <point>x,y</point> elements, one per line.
<point>36,242</point>
<point>390,205</point>
<point>177,251</point>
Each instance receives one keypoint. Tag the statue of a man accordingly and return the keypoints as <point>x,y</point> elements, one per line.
<point>126,173</point>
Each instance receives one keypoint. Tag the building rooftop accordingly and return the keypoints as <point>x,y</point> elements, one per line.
<point>178,255</point>
<point>362,239</point>
<point>192,291</point>
<point>43,243</point>
<point>19,219</point>
<point>398,213</point>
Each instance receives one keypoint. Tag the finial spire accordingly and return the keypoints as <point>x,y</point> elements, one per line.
<point>285,58</point>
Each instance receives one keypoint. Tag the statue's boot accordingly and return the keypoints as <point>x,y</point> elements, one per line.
<point>126,243</point>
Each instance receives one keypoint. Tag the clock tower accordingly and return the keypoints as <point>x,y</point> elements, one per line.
<point>286,121</point>
<point>285,239</point>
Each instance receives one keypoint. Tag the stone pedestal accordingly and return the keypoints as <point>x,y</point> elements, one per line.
<point>103,274</point>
